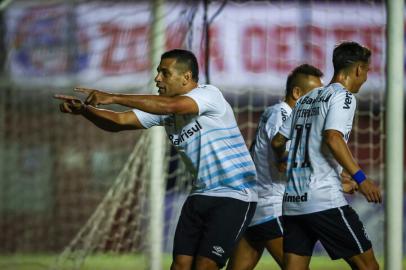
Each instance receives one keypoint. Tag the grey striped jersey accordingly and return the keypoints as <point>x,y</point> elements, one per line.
<point>211,146</point>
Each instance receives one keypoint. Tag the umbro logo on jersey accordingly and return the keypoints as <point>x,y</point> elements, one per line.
<point>347,101</point>
<point>293,198</point>
<point>219,251</point>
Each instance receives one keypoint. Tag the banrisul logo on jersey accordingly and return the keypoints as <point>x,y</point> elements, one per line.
<point>185,133</point>
<point>295,198</point>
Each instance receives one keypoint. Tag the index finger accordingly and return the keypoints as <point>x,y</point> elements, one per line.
<point>86,91</point>
<point>66,97</point>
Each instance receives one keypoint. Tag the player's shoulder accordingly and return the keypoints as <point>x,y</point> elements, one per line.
<point>339,92</point>
<point>277,112</point>
<point>273,109</point>
<point>208,88</point>
<point>206,92</point>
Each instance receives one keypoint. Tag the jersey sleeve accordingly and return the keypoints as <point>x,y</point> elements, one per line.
<point>148,120</point>
<point>209,100</point>
<point>341,111</point>
<point>286,128</point>
<point>273,124</point>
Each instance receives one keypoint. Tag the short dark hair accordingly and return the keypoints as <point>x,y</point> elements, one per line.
<point>293,78</point>
<point>186,59</point>
<point>347,53</point>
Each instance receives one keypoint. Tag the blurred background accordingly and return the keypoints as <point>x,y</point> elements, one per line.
<point>55,169</point>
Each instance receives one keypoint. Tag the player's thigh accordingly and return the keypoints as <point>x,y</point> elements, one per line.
<point>189,229</point>
<point>275,248</point>
<point>182,262</point>
<point>293,261</point>
<point>204,263</point>
<point>341,232</point>
<point>298,236</point>
<point>364,261</point>
<point>224,225</point>
<point>245,255</point>
<point>270,233</point>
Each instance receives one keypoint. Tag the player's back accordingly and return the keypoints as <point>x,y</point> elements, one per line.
<point>314,184</point>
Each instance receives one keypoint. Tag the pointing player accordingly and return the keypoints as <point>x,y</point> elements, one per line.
<point>265,230</point>
<point>314,207</point>
<point>201,125</point>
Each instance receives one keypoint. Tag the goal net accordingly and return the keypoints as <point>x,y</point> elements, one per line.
<point>71,189</point>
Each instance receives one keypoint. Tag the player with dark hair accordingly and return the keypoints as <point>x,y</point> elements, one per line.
<point>201,125</point>
<point>314,207</point>
<point>265,230</point>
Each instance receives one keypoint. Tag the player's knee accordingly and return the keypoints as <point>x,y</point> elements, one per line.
<point>178,266</point>
<point>365,265</point>
<point>203,263</point>
<point>372,265</point>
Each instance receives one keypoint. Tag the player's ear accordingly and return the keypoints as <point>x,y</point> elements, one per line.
<point>358,69</point>
<point>187,76</point>
<point>296,92</point>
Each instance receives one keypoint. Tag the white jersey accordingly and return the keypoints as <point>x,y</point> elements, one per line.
<point>314,175</point>
<point>271,183</point>
<point>211,146</point>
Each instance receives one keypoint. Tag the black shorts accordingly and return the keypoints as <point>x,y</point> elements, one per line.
<point>265,231</point>
<point>211,226</point>
<point>339,230</point>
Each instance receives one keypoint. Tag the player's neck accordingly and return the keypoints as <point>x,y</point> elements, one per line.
<point>189,87</point>
<point>345,80</point>
<point>290,101</point>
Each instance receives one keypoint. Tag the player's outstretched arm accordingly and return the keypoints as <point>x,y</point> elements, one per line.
<point>339,149</point>
<point>104,119</point>
<point>148,103</point>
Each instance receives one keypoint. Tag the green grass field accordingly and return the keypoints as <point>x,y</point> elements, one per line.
<point>136,262</point>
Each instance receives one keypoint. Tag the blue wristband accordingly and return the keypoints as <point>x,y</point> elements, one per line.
<point>359,177</point>
<point>284,159</point>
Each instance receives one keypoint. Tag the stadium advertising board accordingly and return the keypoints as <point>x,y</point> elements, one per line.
<point>253,46</point>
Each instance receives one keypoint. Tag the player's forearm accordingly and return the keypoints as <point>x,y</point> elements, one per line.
<point>147,103</point>
<point>278,145</point>
<point>341,152</point>
<point>104,119</point>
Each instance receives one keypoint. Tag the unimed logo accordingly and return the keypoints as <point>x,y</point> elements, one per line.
<point>295,198</point>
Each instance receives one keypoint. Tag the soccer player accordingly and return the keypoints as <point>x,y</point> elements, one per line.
<point>200,124</point>
<point>265,230</point>
<point>314,207</point>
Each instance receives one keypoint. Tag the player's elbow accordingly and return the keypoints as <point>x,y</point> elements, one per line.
<point>126,121</point>
<point>172,108</point>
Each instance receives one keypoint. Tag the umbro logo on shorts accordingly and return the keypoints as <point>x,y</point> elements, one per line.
<point>219,251</point>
